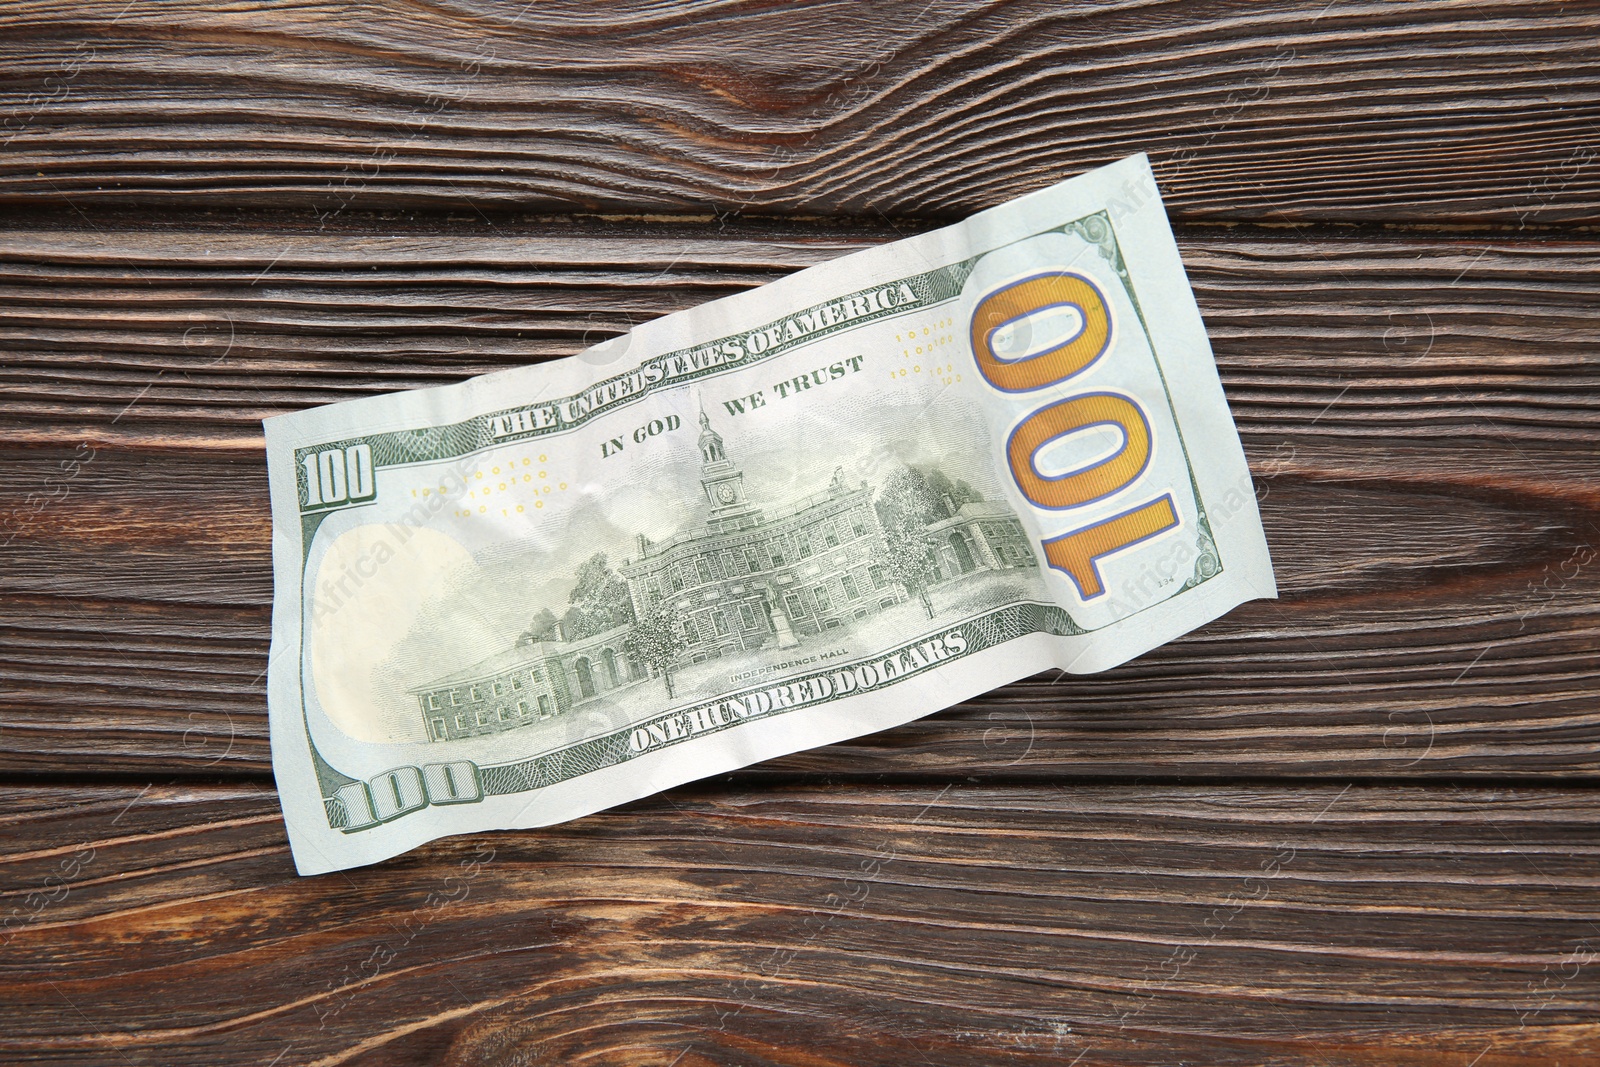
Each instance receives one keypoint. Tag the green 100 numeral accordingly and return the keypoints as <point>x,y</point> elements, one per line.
<point>334,475</point>
<point>406,789</point>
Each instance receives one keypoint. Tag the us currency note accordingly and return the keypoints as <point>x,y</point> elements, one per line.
<point>815,510</point>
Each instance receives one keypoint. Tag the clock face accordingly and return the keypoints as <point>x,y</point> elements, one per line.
<point>725,493</point>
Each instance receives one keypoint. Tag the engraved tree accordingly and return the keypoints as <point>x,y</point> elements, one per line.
<point>905,505</point>
<point>599,600</point>
<point>543,628</point>
<point>951,495</point>
<point>657,641</point>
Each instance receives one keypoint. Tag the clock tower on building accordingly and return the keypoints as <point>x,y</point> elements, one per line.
<point>723,481</point>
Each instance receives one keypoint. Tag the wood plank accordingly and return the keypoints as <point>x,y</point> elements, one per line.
<point>948,925</point>
<point>1420,413</point>
<point>187,337</point>
<point>1295,109</point>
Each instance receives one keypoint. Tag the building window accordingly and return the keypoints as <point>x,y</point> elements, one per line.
<point>850,590</point>
<point>433,701</point>
<point>720,621</point>
<point>702,568</point>
<point>775,550</point>
<point>534,674</point>
<point>797,610</point>
<point>505,712</point>
<point>516,681</point>
<point>461,722</point>
<point>858,525</point>
<point>498,688</point>
<point>544,706</point>
<point>676,579</point>
<point>476,695</point>
<point>522,708</point>
<point>879,578</point>
<point>747,616</point>
<point>805,548</point>
<point>483,717</point>
<point>831,535</point>
<point>752,560</point>
<point>654,590</point>
<point>688,632</point>
<point>820,594</point>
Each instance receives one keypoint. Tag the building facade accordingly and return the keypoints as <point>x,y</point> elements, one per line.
<point>742,579</point>
<point>977,536</point>
<point>533,682</point>
<point>749,578</point>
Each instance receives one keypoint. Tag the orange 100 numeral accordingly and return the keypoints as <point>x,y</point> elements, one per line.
<point>1076,554</point>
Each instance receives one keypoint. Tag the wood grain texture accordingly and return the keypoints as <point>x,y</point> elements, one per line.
<point>1356,826</point>
<point>1473,113</point>
<point>940,925</point>
<point>1421,415</point>
<point>120,331</point>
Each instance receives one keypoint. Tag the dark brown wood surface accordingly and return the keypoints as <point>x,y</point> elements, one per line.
<point>804,925</point>
<point>1357,825</point>
<point>1468,112</point>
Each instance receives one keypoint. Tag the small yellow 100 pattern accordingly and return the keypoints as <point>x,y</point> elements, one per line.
<point>921,349</point>
<point>506,488</point>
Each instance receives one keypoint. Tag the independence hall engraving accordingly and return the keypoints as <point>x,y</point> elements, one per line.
<point>748,578</point>
<point>743,579</point>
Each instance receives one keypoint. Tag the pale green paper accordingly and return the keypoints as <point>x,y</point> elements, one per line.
<point>772,522</point>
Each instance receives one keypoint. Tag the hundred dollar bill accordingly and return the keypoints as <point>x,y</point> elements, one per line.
<point>814,510</point>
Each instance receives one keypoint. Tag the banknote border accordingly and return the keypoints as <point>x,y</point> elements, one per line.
<point>402,448</point>
<point>1096,228</point>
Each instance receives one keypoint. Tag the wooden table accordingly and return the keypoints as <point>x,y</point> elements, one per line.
<point>1354,826</point>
